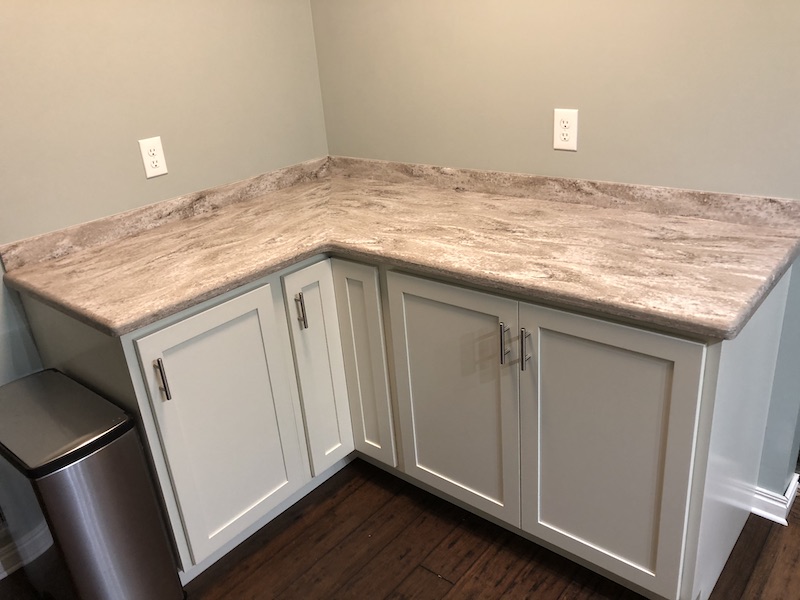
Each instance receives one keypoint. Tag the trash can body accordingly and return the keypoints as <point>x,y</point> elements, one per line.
<point>83,459</point>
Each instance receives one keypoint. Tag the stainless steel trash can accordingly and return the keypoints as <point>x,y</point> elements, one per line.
<point>73,476</point>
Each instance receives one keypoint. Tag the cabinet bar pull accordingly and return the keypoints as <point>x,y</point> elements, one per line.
<point>503,350</point>
<point>524,357</point>
<point>301,310</point>
<point>164,387</point>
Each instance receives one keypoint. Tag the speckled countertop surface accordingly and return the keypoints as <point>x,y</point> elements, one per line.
<point>693,263</point>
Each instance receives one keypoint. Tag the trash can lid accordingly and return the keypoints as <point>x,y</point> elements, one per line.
<point>48,421</point>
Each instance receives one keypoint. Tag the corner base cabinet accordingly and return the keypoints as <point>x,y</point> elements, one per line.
<point>358,300</point>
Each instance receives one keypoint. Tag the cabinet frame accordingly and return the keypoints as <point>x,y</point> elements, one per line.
<point>358,300</point>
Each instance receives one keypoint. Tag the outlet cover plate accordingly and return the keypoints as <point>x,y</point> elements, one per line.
<point>153,157</point>
<point>565,129</point>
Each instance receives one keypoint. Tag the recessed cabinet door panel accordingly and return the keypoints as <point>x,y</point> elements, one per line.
<point>359,303</point>
<point>457,402</point>
<point>320,369</point>
<point>608,420</point>
<point>228,432</point>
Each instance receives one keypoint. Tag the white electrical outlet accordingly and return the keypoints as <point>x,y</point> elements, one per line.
<point>153,157</point>
<point>565,129</point>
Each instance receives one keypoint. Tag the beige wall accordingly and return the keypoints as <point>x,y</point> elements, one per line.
<point>684,93</point>
<point>231,88</point>
<point>18,355</point>
<point>681,93</point>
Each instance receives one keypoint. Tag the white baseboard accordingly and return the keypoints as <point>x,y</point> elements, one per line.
<point>9,558</point>
<point>775,507</point>
<point>14,556</point>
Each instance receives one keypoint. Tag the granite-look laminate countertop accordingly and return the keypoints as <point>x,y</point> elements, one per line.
<point>692,263</point>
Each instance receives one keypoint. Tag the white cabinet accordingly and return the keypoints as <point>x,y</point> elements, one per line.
<point>318,360</point>
<point>227,426</point>
<point>458,404</point>
<point>636,452</point>
<point>608,422</point>
<point>358,300</point>
<point>598,421</point>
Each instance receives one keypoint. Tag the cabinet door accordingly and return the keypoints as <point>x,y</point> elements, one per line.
<point>608,422</point>
<point>228,432</point>
<point>318,359</point>
<point>458,405</point>
<point>359,302</point>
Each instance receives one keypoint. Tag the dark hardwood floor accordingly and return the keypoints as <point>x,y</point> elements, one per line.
<point>367,535</point>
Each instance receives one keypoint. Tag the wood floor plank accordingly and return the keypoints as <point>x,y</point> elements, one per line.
<point>605,589</point>
<point>398,559</point>
<point>745,556</point>
<point>576,590</point>
<point>270,540</point>
<point>494,571</point>
<point>587,585</point>
<point>459,551</point>
<point>421,584</point>
<point>777,573</point>
<point>346,558</point>
<point>366,534</point>
<point>268,577</point>
<point>547,575</point>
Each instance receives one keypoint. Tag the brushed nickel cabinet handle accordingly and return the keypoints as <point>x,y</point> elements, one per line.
<point>301,310</point>
<point>164,387</point>
<point>524,356</point>
<point>504,351</point>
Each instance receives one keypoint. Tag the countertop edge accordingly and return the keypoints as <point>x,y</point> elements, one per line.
<point>121,328</point>
<point>632,317</point>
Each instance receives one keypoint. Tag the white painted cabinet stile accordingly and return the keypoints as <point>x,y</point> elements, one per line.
<point>229,431</point>
<point>318,359</point>
<point>608,423</point>
<point>358,300</point>
<point>458,405</point>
